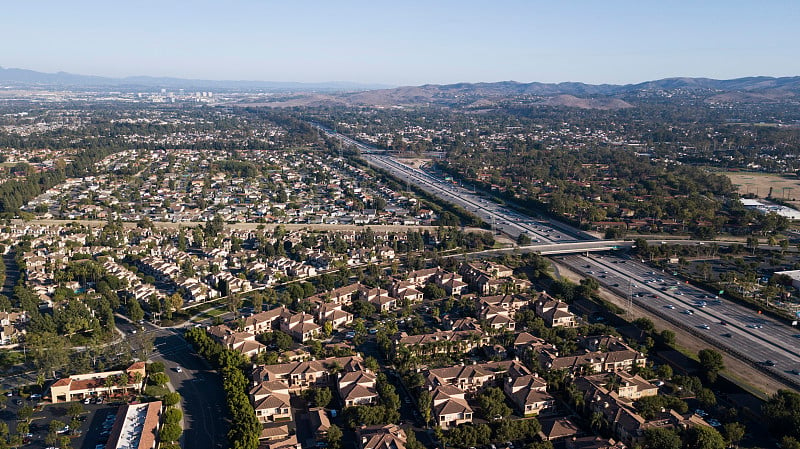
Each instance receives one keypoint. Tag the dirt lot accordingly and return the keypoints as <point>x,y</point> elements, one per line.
<point>415,162</point>
<point>741,371</point>
<point>783,186</point>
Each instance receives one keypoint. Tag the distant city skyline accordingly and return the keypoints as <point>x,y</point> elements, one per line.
<point>405,43</point>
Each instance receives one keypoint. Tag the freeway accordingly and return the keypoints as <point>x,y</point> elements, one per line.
<point>502,218</point>
<point>765,342</point>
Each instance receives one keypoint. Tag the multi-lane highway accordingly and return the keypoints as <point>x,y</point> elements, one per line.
<point>764,341</point>
<point>767,343</point>
<point>502,218</point>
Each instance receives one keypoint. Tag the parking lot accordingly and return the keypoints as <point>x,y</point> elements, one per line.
<point>94,422</point>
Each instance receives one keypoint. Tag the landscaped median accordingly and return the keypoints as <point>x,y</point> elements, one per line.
<point>158,386</point>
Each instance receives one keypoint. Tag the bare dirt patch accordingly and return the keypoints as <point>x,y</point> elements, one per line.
<point>785,187</point>
<point>416,162</point>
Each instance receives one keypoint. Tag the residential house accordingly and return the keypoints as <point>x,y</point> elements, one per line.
<point>450,408</point>
<point>442,342</point>
<point>266,321</point>
<point>623,359</point>
<point>558,429</point>
<point>271,401</point>
<point>497,318</point>
<point>300,326</point>
<point>389,436</point>
<point>358,388</point>
<point>554,313</point>
<point>405,290</point>
<point>242,342</point>
<point>529,394</point>
<point>333,313</point>
<point>318,418</point>
<point>305,374</point>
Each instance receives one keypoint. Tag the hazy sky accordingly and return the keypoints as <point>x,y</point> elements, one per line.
<point>404,42</point>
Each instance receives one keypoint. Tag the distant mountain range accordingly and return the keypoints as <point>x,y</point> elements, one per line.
<point>571,94</point>
<point>581,95</point>
<point>24,77</point>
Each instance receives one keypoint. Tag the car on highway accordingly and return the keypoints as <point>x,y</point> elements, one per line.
<point>178,369</point>
<point>755,326</point>
<point>769,363</point>
<point>688,311</point>
<point>705,326</point>
<point>796,372</point>
<point>670,306</point>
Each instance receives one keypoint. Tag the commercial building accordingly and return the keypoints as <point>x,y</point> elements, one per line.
<point>136,427</point>
<point>81,386</point>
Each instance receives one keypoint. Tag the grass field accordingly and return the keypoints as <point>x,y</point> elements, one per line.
<point>786,187</point>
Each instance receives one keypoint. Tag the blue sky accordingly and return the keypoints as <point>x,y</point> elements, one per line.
<point>406,42</point>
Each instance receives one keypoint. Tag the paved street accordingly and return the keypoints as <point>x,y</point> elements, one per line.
<point>200,386</point>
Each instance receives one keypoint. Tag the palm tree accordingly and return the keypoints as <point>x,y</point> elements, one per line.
<point>597,421</point>
<point>110,381</point>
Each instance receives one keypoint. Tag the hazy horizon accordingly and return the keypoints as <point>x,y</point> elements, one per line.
<point>412,43</point>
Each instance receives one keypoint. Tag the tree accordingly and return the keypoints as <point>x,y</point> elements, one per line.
<point>25,413</point>
<point>334,437</point>
<point>172,415</point>
<point>702,437</point>
<point>664,371</point>
<point>159,379</point>
<point>64,442</point>
<point>492,403</point>
<point>55,425</point>
<point>48,351</point>
<point>734,432</point>
<point>597,421</point>
<point>433,291</point>
<point>282,340</point>
<point>372,364</point>
<point>74,409</point>
<point>782,412</point>
<point>172,398</point>
<point>424,402</point>
<point>788,442</point>
<point>322,396</point>
<point>170,432</point>
<point>706,398</point>
<point>155,367</point>
<point>661,438</point>
<point>173,303</point>
<point>135,311</point>
<point>711,363</point>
